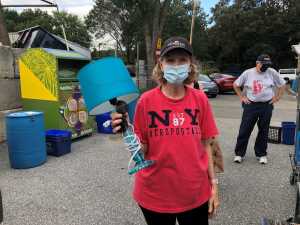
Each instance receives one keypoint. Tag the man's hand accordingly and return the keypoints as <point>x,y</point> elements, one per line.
<point>245,100</point>
<point>274,100</point>
<point>214,201</point>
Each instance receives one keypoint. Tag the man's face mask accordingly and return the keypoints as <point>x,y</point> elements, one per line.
<point>176,74</point>
<point>265,66</point>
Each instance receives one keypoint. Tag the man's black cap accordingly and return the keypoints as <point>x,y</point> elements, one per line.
<point>176,43</point>
<point>264,59</point>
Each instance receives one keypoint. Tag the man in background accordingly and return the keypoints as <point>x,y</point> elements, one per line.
<point>262,88</point>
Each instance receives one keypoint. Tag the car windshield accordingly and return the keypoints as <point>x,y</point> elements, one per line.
<point>287,71</point>
<point>203,77</point>
<point>215,76</point>
<point>227,76</point>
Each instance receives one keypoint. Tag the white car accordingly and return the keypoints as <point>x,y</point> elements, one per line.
<point>288,74</point>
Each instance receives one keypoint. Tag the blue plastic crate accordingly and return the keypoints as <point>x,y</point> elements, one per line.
<point>104,123</point>
<point>288,132</point>
<point>58,142</point>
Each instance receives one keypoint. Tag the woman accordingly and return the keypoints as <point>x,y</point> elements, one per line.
<point>175,125</point>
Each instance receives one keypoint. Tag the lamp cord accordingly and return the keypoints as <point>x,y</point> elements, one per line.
<point>132,142</point>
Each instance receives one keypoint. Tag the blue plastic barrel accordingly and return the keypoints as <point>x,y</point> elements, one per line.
<point>104,123</point>
<point>297,153</point>
<point>288,132</point>
<point>26,139</point>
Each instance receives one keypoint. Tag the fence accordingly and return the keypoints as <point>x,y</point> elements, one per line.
<point>144,80</point>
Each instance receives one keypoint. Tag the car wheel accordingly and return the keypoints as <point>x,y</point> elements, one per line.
<point>213,96</point>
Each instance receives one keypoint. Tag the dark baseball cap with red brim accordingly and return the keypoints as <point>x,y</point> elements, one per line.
<point>176,43</point>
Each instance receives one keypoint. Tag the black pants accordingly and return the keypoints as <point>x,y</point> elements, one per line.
<point>197,216</point>
<point>261,114</point>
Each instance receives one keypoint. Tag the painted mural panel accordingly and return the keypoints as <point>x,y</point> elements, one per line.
<point>43,66</point>
<point>73,109</point>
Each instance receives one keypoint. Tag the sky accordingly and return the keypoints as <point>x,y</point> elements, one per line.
<point>208,4</point>
<point>82,7</point>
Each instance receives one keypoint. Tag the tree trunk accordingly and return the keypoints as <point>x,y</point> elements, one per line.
<point>157,18</point>
<point>149,50</point>
<point>4,38</point>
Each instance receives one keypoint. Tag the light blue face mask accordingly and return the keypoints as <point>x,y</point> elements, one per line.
<point>176,74</point>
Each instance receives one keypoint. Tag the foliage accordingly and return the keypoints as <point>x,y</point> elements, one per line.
<point>76,30</point>
<point>132,21</point>
<point>247,28</point>
<point>231,39</point>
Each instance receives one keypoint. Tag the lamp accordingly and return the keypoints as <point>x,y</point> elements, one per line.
<point>103,80</point>
<point>106,85</point>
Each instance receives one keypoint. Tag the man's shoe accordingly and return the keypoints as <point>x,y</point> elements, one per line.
<point>263,160</point>
<point>237,159</point>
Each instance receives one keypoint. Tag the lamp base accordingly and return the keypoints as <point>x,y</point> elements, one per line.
<point>139,166</point>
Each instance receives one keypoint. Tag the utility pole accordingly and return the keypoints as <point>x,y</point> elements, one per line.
<point>4,38</point>
<point>137,64</point>
<point>193,21</point>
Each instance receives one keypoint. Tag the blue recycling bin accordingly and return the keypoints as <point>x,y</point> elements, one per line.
<point>288,132</point>
<point>297,152</point>
<point>26,139</point>
<point>295,85</point>
<point>131,109</point>
<point>104,123</point>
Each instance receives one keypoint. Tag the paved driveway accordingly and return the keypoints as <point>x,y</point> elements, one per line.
<point>90,186</point>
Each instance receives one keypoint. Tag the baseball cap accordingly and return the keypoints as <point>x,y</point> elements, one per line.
<point>264,59</point>
<point>176,43</point>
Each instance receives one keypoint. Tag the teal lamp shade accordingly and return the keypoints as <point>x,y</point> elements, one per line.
<point>103,80</point>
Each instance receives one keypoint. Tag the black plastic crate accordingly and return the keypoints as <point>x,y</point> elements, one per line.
<point>274,135</point>
<point>58,142</point>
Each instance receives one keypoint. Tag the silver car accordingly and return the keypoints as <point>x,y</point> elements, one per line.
<point>209,87</point>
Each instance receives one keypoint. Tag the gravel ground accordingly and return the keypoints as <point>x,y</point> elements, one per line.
<point>90,186</point>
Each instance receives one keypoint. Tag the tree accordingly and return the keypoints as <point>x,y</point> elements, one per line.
<point>27,18</point>
<point>4,39</point>
<point>247,28</point>
<point>75,28</point>
<point>178,23</point>
<point>127,20</point>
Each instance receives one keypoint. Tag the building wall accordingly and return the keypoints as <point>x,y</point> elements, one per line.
<point>9,78</point>
<point>10,100</point>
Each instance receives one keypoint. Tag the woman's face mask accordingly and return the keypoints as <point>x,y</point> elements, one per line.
<point>176,74</point>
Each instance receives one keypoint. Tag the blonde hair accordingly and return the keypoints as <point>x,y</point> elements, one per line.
<point>158,75</point>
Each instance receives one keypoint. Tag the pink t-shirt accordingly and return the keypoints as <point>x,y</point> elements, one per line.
<point>173,130</point>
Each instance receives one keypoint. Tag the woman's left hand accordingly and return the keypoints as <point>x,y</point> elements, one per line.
<point>214,201</point>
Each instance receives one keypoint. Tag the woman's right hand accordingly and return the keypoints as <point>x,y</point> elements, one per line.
<point>116,120</point>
